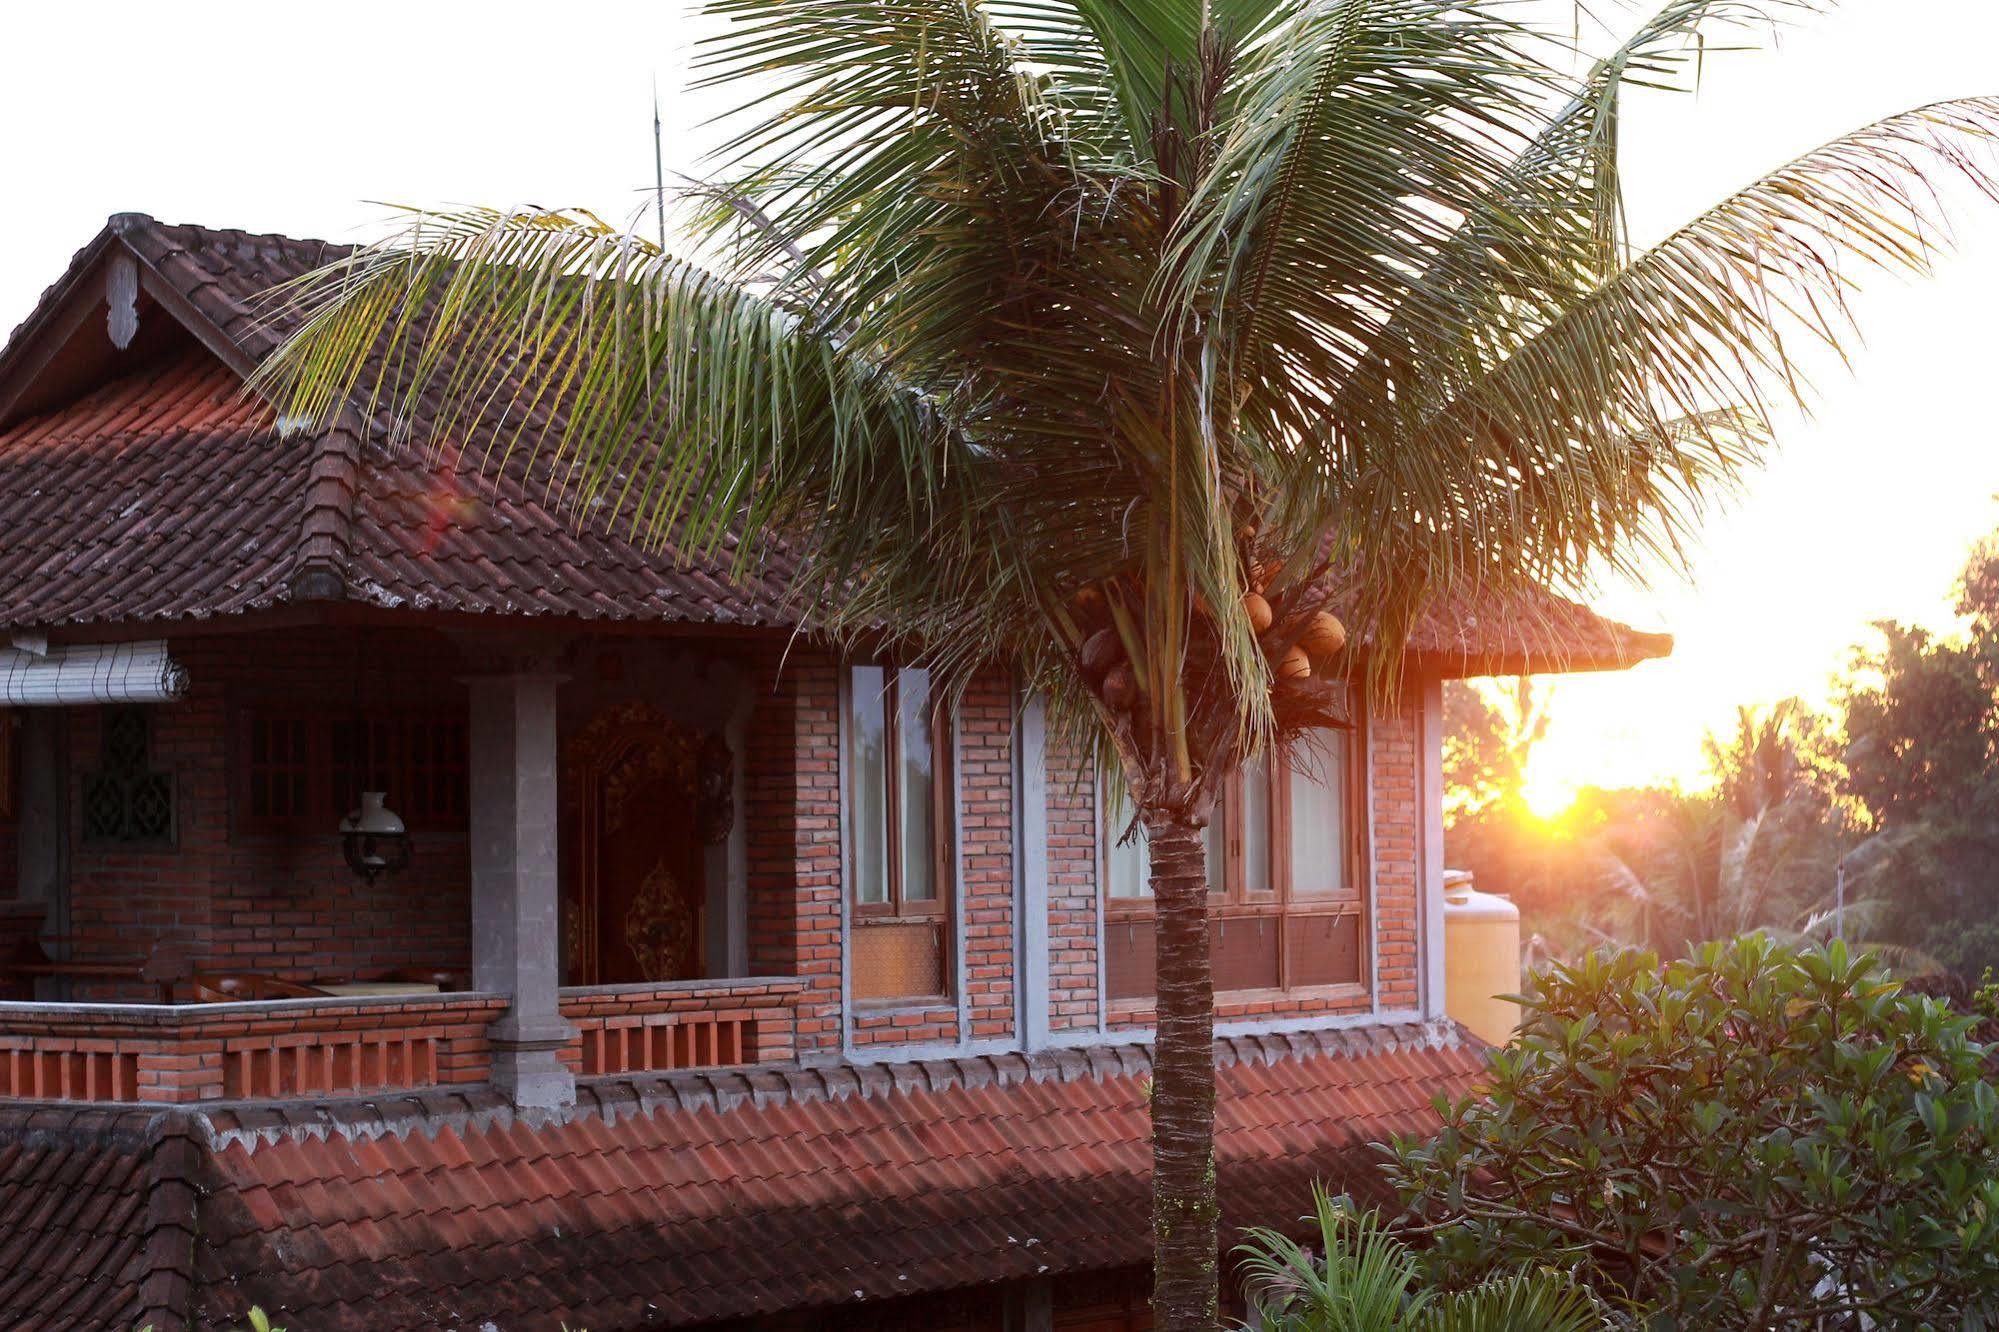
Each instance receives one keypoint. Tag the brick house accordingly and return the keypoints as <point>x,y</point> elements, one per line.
<point>727,982</point>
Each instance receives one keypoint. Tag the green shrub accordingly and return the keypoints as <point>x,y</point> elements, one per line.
<point>1362,1279</point>
<point>1755,1137</point>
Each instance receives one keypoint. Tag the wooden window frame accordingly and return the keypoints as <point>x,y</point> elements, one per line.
<point>1232,898</point>
<point>893,908</point>
<point>321,815</point>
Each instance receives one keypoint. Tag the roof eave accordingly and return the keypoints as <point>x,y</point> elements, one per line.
<point>1632,648</point>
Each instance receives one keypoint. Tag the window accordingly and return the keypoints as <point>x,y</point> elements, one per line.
<point>898,793</point>
<point>419,761</point>
<point>300,771</point>
<point>1283,905</point>
<point>125,801</point>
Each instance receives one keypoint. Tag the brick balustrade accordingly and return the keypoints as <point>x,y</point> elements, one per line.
<point>287,1049</point>
<point>652,1028</point>
<point>257,1049</point>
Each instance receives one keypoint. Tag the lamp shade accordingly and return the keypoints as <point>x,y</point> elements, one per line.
<point>373,838</point>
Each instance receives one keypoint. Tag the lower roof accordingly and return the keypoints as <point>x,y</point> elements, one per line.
<point>679,1199</point>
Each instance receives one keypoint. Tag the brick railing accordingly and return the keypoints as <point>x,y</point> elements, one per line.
<point>285,1049</point>
<point>654,1028</point>
<point>264,1049</point>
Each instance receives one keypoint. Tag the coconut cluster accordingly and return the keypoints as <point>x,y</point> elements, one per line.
<point>1298,638</point>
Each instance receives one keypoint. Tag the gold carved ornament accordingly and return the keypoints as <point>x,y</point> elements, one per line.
<point>659,927</point>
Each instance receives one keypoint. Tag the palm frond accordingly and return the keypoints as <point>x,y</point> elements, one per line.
<point>1589,415</point>
<point>1541,1300</point>
<point>1360,1278</point>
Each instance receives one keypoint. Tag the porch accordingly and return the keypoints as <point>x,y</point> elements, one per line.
<point>574,897</point>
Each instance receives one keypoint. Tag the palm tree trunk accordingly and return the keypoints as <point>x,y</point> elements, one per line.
<point>1183,1084</point>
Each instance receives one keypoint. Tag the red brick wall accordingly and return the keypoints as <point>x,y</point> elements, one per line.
<point>1397,779</point>
<point>896,1025</point>
<point>288,905</point>
<point>792,789</point>
<point>629,1028</point>
<point>279,904</point>
<point>985,854</point>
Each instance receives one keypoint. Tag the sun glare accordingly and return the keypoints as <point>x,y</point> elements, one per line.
<point>1548,795</point>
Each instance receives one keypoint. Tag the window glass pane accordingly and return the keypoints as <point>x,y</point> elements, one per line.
<point>867,782</point>
<point>1128,863</point>
<point>1318,815</point>
<point>1256,827</point>
<point>918,793</point>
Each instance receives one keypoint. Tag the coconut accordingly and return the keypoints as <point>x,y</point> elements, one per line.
<point>1295,665</point>
<point>1101,651</point>
<point>1259,612</point>
<point>1324,636</point>
<point>1120,688</point>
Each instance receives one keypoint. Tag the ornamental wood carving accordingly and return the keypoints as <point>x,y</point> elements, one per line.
<point>617,768</point>
<point>659,929</point>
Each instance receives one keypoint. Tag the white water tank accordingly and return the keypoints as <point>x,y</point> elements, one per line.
<point>1481,958</point>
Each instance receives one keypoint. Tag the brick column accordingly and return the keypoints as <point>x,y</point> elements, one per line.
<point>516,912</point>
<point>792,821</point>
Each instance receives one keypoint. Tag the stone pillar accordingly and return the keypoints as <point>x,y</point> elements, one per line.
<point>1031,870</point>
<point>516,911</point>
<point>42,814</point>
<point>1432,963</point>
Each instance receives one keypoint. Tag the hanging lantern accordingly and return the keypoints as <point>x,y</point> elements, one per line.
<point>373,838</point>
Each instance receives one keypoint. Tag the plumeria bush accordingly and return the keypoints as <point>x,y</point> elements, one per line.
<point>1754,1137</point>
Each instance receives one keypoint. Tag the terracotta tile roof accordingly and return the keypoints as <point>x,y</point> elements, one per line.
<point>342,515</point>
<point>400,528</point>
<point>696,1197</point>
<point>97,1217</point>
<point>1534,630</point>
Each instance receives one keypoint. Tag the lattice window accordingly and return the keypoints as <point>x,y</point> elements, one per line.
<point>420,761</point>
<point>125,802</point>
<point>278,771</point>
<point>301,772</point>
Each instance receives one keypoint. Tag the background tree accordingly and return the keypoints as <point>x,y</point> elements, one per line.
<point>1760,851</point>
<point>1922,762</point>
<point>1123,339</point>
<point>1488,743</point>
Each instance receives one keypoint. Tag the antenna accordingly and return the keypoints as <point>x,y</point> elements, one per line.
<point>658,167</point>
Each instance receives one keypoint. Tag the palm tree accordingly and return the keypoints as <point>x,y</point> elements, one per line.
<point>1121,340</point>
<point>1769,850</point>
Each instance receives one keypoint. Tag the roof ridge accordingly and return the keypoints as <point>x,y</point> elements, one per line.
<point>717,1091</point>
<point>121,223</point>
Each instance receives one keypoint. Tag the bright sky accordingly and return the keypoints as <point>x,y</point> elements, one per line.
<point>289,117</point>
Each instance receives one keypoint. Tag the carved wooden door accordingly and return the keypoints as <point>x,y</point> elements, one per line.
<point>635,906</point>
